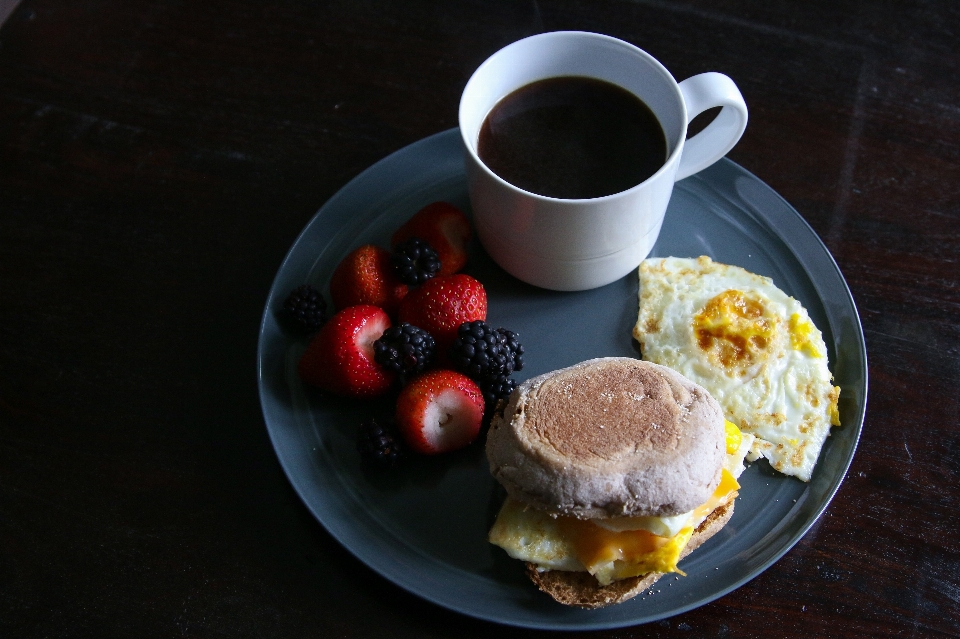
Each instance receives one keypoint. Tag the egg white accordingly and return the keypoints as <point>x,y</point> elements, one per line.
<point>776,385</point>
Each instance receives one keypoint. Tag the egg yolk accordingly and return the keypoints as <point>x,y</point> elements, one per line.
<point>733,435</point>
<point>734,330</point>
<point>800,332</point>
<point>834,408</point>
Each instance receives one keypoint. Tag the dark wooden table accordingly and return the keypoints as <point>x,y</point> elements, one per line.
<point>158,158</point>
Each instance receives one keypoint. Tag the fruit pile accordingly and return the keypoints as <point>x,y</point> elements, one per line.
<point>409,322</point>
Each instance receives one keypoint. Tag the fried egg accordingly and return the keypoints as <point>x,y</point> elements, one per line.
<point>617,547</point>
<point>752,346</point>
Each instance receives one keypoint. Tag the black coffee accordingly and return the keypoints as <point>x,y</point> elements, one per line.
<point>573,138</point>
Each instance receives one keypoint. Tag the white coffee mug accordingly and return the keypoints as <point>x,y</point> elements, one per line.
<point>572,245</point>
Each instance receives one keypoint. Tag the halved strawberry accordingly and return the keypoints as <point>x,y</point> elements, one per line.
<point>340,357</point>
<point>442,304</point>
<point>439,411</point>
<point>446,228</point>
<point>365,276</point>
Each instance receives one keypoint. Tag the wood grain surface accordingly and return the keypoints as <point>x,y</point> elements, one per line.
<point>157,160</point>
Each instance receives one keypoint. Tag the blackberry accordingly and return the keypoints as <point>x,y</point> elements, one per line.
<point>404,349</point>
<point>494,389</point>
<point>306,307</point>
<point>480,352</point>
<point>415,261</point>
<point>514,347</point>
<point>379,445</point>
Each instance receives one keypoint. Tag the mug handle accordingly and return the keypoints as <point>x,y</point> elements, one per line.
<point>702,92</point>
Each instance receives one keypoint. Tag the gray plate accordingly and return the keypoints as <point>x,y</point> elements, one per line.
<point>425,527</point>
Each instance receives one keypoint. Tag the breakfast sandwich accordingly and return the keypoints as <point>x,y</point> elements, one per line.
<point>752,346</point>
<point>614,469</point>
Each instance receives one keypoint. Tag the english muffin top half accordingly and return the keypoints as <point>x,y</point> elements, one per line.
<point>609,437</point>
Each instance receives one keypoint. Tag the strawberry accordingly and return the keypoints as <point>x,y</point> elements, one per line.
<point>439,411</point>
<point>365,276</point>
<point>340,357</point>
<point>445,228</point>
<point>442,304</point>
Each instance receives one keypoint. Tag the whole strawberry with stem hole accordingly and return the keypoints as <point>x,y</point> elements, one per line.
<point>439,411</point>
<point>445,228</point>
<point>366,276</point>
<point>442,304</point>
<point>340,358</point>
